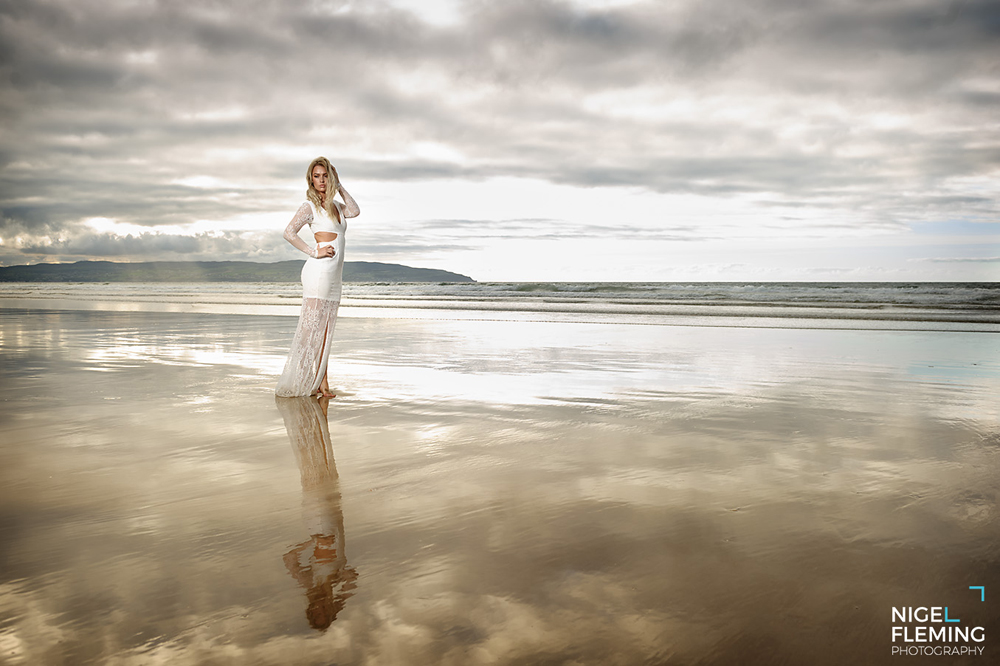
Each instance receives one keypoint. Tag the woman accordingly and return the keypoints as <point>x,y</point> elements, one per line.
<point>305,368</point>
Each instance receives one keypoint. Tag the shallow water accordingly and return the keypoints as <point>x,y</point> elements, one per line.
<point>489,492</point>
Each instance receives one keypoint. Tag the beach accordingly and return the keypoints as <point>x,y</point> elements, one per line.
<point>559,486</point>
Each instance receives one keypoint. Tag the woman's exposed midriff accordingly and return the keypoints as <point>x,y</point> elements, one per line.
<point>325,236</point>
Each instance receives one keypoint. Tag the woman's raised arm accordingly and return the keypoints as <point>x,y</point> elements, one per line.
<point>352,209</point>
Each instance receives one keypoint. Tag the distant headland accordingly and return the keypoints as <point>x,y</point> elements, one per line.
<point>215,271</point>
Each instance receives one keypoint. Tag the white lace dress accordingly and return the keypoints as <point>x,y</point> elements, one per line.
<point>305,367</point>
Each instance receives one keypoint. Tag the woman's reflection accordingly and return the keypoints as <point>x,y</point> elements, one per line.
<point>319,564</point>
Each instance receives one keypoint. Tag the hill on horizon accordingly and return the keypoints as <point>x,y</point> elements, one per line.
<point>215,271</point>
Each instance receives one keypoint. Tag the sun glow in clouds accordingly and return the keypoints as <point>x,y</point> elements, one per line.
<point>105,225</point>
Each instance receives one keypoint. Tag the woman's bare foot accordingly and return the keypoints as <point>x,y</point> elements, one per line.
<point>324,390</point>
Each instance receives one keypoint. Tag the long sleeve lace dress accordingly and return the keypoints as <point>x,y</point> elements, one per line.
<point>305,367</point>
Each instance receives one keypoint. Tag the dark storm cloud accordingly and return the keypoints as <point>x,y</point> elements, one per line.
<point>106,105</point>
<point>112,246</point>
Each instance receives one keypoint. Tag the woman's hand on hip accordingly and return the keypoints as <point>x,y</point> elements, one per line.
<point>325,251</point>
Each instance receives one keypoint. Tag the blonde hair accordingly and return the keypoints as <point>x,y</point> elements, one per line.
<point>331,188</point>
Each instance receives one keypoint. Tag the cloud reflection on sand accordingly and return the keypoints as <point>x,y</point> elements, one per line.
<point>529,493</point>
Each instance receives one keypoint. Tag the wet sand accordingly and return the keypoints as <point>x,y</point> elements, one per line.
<point>486,492</point>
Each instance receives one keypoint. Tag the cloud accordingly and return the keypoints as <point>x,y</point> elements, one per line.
<point>878,112</point>
<point>150,247</point>
<point>951,260</point>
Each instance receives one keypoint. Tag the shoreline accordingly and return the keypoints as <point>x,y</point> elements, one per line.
<point>527,316</point>
<point>649,304</point>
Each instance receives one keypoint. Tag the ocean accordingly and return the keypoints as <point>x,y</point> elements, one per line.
<point>881,306</point>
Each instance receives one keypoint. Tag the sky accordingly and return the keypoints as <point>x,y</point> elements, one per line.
<point>536,140</point>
